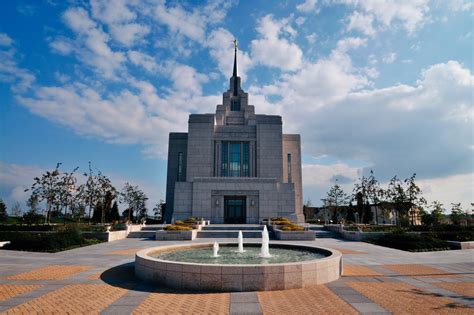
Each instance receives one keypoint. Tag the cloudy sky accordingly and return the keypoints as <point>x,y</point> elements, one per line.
<point>375,84</point>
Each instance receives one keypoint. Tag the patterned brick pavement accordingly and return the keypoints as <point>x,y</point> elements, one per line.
<point>312,300</point>
<point>71,299</point>
<point>8,291</point>
<point>462,288</point>
<point>164,303</point>
<point>130,251</point>
<point>54,272</point>
<point>350,251</point>
<point>360,271</point>
<point>416,270</point>
<point>403,298</point>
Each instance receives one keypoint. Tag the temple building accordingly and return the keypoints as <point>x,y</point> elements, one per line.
<point>234,166</point>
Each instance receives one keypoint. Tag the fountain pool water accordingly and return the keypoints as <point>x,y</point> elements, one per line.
<point>229,255</point>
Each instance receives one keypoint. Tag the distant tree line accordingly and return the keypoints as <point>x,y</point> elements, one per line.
<point>402,196</point>
<point>94,201</point>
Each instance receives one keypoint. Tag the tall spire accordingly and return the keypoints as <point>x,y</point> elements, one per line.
<point>234,74</point>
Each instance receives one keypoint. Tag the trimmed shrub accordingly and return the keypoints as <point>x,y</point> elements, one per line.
<point>292,227</point>
<point>177,227</point>
<point>410,242</point>
<point>46,242</point>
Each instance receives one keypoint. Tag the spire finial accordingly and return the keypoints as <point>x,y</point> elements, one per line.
<point>234,73</point>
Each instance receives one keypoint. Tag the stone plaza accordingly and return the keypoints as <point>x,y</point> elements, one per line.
<point>100,279</point>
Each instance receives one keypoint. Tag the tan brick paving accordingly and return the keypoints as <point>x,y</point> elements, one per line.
<point>350,251</point>
<point>403,298</point>
<point>462,288</point>
<point>71,299</point>
<point>170,303</point>
<point>53,272</point>
<point>416,270</point>
<point>360,271</point>
<point>311,300</point>
<point>130,251</point>
<point>8,291</point>
<point>95,276</point>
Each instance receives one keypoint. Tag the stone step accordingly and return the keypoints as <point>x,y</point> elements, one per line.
<point>142,234</point>
<point>233,227</point>
<point>327,234</point>
<point>228,234</point>
<point>155,227</point>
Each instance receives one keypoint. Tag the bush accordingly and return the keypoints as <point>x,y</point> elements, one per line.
<point>459,236</point>
<point>292,227</point>
<point>280,219</point>
<point>314,221</point>
<point>191,220</point>
<point>177,227</point>
<point>45,242</point>
<point>411,242</point>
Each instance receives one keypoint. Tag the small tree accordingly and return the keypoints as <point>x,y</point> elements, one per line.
<point>136,201</point>
<point>437,212</point>
<point>46,188</point>
<point>114,213</point>
<point>457,213</point>
<point>16,210</point>
<point>158,210</point>
<point>3,211</point>
<point>414,197</point>
<point>374,193</point>
<point>335,200</point>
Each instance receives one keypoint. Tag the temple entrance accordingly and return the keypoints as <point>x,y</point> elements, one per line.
<point>234,209</point>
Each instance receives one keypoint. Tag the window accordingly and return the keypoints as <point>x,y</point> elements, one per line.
<point>235,104</point>
<point>235,159</point>
<point>289,167</point>
<point>224,158</point>
<point>180,166</point>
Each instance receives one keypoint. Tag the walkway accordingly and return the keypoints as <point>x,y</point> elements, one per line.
<point>99,279</point>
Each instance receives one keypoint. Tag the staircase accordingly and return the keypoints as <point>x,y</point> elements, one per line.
<point>230,231</point>
<point>321,232</point>
<point>148,231</point>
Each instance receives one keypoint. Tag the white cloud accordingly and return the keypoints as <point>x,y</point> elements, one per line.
<point>91,44</point>
<point>300,20</point>
<point>5,40</point>
<point>409,14</point>
<point>129,34</point>
<point>460,5</point>
<point>307,6</point>
<point>221,48</point>
<point>389,58</point>
<point>143,60</point>
<point>20,79</point>
<point>272,49</point>
<point>311,38</point>
<point>361,22</point>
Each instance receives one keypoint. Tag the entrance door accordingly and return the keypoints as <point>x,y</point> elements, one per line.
<point>234,210</point>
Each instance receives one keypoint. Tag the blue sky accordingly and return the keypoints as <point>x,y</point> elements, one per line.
<point>383,85</point>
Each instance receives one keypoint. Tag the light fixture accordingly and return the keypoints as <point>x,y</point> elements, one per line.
<point>252,202</point>
<point>217,202</point>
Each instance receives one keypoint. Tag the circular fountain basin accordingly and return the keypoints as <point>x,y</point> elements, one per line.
<point>191,266</point>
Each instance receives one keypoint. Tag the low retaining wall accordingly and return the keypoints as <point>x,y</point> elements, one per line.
<point>294,235</point>
<point>113,235</point>
<point>462,245</point>
<point>176,235</point>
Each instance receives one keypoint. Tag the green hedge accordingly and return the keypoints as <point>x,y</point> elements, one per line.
<point>45,242</point>
<point>411,242</point>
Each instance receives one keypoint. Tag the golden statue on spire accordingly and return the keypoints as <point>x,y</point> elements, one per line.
<point>235,43</point>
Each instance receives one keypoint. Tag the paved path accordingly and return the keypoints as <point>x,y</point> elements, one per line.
<point>99,279</point>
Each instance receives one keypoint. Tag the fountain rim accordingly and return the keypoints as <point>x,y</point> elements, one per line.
<point>144,254</point>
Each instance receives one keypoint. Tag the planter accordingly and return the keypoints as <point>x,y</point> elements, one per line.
<point>462,245</point>
<point>294,235</point>
<point>175,235</point>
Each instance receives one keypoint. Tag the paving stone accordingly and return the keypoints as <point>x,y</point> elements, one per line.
<point>245,308</point>
<point>368,307</point>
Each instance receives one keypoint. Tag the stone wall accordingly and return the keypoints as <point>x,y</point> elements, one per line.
<point>292,145</point>
<point>178,142</point>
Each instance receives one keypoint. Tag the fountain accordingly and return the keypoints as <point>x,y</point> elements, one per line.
<point>265,250</point>
<point>241,243</point>
<point>215,249</point>
<point>224,267</point>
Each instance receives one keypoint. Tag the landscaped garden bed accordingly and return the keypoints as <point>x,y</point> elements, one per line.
<point>180,230</point>
<point>410,242</point>
<point>46,241</point>
<point>284,229</point>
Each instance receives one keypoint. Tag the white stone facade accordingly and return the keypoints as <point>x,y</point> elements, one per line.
<point>268,167</point>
